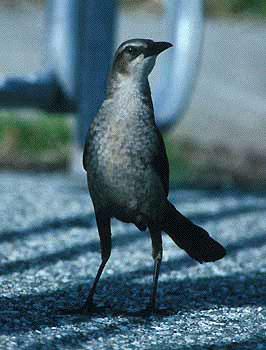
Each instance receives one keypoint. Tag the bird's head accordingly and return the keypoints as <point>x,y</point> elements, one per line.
<point>136,57</point>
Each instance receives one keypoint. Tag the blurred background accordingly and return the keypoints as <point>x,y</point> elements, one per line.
<point>221,139</point>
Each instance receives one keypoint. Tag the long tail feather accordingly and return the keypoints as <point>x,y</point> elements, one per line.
<point>192,238</point>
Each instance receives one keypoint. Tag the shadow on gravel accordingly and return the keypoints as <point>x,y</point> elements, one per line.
<point>119,241</point>
<point>78,221</point>
<point>252,242</point>
<point>256,342</point>
<point>79,338</point>
<point>86,221</point>
<point>225,214</point>
<point>66,254</point>
<point>122,294</point>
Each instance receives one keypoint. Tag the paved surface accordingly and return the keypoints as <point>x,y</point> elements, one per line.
<point>49,254</point>
<point>229,104</point>
<point>21,39</point>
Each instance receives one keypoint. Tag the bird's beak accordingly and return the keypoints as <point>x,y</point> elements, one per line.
<point>157,47</point>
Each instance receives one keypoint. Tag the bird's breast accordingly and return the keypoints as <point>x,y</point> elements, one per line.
<point>120,152</point>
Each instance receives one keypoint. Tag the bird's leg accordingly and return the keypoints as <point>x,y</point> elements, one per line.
<point>157,253</point>
<point>104,228</point>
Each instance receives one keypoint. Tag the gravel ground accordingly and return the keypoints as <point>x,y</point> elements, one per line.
<point>49,253</point>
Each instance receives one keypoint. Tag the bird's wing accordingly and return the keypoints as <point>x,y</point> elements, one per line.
<point>85,156</point>
<point>160,163</point>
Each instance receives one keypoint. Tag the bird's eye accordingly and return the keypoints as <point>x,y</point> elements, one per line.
<point>132,50</point>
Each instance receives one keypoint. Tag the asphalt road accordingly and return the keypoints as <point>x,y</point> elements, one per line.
<point>229,103</point>
<point>49,253</point>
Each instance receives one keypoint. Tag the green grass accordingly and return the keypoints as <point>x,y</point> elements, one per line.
<point>214,166</point>
<point>236,7</point>
<point>213,7</point>
<point>35,135</point>
<point>180,167</point>
<point>183,168</point>
<point>40,141</point>
<point>45,143</point>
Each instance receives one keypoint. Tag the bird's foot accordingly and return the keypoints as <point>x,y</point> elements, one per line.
<point>150,310</point>
<point>90,308</point>
<point>86,309</point>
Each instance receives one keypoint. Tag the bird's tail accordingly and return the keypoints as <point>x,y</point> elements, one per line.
<point>193,239</point>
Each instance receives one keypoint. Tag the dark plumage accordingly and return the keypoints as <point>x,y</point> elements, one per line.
<point>127,165</point>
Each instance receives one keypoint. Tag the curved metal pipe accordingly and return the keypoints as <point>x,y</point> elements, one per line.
<point>185,18</point>
<point>74,53</point>
<point>39,90</point>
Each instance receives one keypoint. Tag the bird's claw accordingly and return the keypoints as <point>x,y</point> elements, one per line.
<point>90,308</point>
<point>151,310</point>
<point>148,311</point>
<point>86,309</point>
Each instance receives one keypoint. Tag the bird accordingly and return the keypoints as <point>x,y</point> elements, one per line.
<point>127,166</point>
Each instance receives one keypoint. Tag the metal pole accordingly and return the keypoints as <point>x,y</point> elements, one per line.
<point>96,39</point>
<point>63,26</point>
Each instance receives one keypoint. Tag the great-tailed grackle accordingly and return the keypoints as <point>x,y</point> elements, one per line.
<point>127,166</point>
